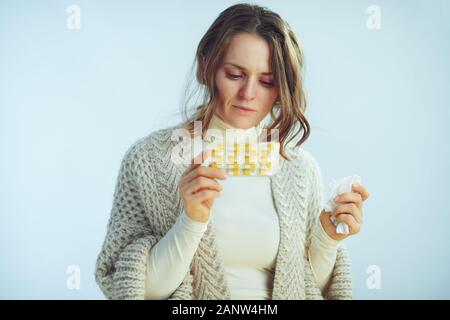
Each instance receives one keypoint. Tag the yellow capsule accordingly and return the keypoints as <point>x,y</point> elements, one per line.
<point>214,165</point>
<point>264,159</point>
<point>235,172</point>
<point>247,172</point>
<point>264,172</point>
<point>248,147</point>
<point>269,165</point>
<point>236,166</point>
<point>253,166</point>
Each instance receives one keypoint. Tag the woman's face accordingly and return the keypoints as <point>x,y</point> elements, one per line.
<point>245,84</point>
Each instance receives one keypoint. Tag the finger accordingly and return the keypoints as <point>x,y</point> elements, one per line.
<point>353,225</point>
<point>348,208</point>
<point>196,162</point>
<point>349,197</point>
<point>205,195</point>
<point>200,183</point>
<point>359,188</point>
<point>209,172</point>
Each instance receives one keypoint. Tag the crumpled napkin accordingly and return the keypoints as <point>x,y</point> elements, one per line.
<point>338,187</point>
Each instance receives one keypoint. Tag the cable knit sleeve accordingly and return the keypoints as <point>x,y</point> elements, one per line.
<point>121,264</point>
<point>340,284</point>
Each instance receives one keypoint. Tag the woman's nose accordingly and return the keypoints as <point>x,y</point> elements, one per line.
<point>248,89</point>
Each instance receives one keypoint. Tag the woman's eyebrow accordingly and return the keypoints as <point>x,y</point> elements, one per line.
<point>242,68</point>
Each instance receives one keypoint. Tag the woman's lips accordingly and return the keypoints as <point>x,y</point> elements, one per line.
<point>243,110</point>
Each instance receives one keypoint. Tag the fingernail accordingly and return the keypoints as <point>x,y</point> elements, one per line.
<point>336,198</point>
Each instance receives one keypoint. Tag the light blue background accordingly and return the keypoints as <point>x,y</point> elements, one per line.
<point>72,102</point>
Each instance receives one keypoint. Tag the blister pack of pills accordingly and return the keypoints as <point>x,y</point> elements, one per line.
<point>245,159</point>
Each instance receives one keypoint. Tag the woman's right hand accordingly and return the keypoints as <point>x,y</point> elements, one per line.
<point>199,188</point>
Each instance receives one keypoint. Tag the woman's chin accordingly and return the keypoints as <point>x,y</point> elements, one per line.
<point>242,124</point>
<point>239,121</point>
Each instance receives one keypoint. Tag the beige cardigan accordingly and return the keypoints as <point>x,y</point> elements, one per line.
<point>147,203</point>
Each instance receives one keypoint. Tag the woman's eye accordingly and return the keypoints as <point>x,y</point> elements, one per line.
<point>233,76</point>
<point>267,84</point>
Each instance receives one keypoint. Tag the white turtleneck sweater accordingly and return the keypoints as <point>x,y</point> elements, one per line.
<point>247,233</point>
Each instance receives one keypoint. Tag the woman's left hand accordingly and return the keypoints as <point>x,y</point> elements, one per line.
<point>348,210</point>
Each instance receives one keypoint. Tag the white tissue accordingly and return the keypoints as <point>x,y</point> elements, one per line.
<point>338,187</point>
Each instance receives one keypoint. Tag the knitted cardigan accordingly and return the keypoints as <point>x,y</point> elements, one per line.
<point>146,204</point>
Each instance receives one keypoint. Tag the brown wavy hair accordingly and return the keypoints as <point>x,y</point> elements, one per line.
<point>287,114</point>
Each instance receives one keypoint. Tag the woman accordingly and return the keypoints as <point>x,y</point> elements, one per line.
<point>187,231</point>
